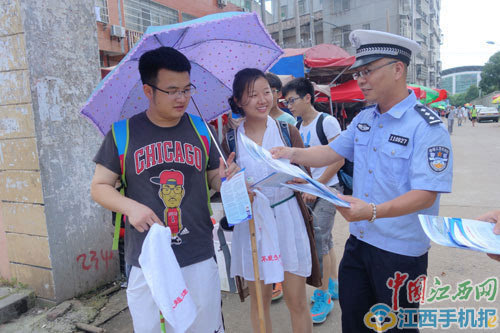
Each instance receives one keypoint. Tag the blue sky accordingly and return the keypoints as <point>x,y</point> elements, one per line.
<point>467,26</point>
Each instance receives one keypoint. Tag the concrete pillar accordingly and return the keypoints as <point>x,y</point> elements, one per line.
<point>58,240</point>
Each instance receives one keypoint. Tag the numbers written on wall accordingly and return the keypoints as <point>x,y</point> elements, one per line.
<point>92,260</point>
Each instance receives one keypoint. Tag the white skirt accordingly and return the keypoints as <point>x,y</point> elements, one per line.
<point>282,242</point>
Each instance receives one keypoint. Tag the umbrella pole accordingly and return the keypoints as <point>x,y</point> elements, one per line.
<point>335,79</point>
<point>255,259</point>
<point>216,143</point>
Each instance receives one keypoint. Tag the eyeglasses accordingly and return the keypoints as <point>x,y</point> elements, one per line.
<point>176,92</point>
<point>291,100</point>
<point>366,72</point>
<point>169,189</point>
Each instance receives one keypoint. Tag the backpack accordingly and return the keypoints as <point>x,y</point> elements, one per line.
<point>345,173</point>
<point>120,130</point>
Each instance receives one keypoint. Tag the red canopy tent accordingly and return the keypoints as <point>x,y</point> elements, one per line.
<point>327,55</point>
<point>346,92</point>
<point>320,63</point>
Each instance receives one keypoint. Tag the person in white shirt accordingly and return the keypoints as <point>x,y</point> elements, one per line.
<point>451,115</point>
<point>314,128</point>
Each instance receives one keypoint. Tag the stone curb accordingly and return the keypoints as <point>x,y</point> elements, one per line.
<point>16,303</point>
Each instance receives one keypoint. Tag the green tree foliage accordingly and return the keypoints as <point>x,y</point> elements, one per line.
<point>490,76</point>
<point>471,93</point>
<point>466,97</point>
<point>457,99</point>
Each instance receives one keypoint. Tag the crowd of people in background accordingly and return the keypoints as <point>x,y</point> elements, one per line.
<point>459,113</point>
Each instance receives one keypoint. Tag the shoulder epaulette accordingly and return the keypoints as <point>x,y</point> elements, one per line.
<point>429,116</point>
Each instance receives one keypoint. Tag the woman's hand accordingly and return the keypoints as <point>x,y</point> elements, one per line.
<point>232,168</point>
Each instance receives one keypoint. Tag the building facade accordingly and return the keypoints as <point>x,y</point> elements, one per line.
<point>335,19</point>
<point>457,80</point>
<point>283,13</point>
<point>414,19</point>
<point>121,23</point>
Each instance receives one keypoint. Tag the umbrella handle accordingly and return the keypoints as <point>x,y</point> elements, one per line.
<point>216,143</point>
<point>255,259</point>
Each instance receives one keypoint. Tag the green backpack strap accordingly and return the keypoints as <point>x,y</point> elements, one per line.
<point>201,130</point>
<point>120,130</point>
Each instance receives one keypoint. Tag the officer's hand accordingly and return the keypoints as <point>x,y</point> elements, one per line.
<point>142,217</point>
<point>282,152</point>
<point>308,198</point>
<point>359,210</point>
<point>493,217</point>
<point>231,169</point>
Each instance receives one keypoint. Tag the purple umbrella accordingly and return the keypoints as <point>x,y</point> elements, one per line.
<point>217,46</point>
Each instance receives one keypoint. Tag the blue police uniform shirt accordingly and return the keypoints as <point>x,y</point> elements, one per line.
<point>394,153</point>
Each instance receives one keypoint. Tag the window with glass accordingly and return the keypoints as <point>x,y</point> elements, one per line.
<point>341,5</point>
<point>341,36</point>
<point>187,17</point>
<point>284,12</point>
<point>302,7</point>
<point>101,11</point>
<point>366,26</point>
<point>447,83</point>
<point>464,81</point>
<point>140,14</point>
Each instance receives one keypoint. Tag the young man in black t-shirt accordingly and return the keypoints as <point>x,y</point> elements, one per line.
<point>167,171</point>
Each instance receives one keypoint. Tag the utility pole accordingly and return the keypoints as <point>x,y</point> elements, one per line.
<point>297,23</point>
<point>311,23</point>
<point>263,11</point>
<point>280,26</point>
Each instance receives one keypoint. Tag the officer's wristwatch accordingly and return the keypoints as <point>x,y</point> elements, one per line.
<point>374,212</point>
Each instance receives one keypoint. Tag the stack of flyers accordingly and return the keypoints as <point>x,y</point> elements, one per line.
<point>284,171</point>
<point>461,233</point>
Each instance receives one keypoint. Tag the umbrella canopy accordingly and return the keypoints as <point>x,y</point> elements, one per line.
<point>439,105</point>
<point>217,45</point>
<point>495,96</point>
<point>430,94</point>
<point>419,93</point>
<point>496,100</point>
<point>443,94</point>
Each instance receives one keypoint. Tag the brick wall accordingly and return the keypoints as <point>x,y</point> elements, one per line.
<point>22,204</point>
<point>57,240</point>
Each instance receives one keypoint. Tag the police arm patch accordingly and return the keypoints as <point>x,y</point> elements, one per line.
<point>438,157</point>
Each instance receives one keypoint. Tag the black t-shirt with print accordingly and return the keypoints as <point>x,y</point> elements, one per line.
<point>165,170</point>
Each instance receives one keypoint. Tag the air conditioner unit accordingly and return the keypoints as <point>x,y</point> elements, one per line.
<point>221,3</point>
<point>117,31</point>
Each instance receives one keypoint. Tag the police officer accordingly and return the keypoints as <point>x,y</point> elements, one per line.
<point>402,162</point>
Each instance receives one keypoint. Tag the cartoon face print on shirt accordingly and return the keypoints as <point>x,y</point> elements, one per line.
<point>171,192</point>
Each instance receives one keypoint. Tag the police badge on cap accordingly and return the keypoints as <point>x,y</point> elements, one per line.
<point>372,45</point>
